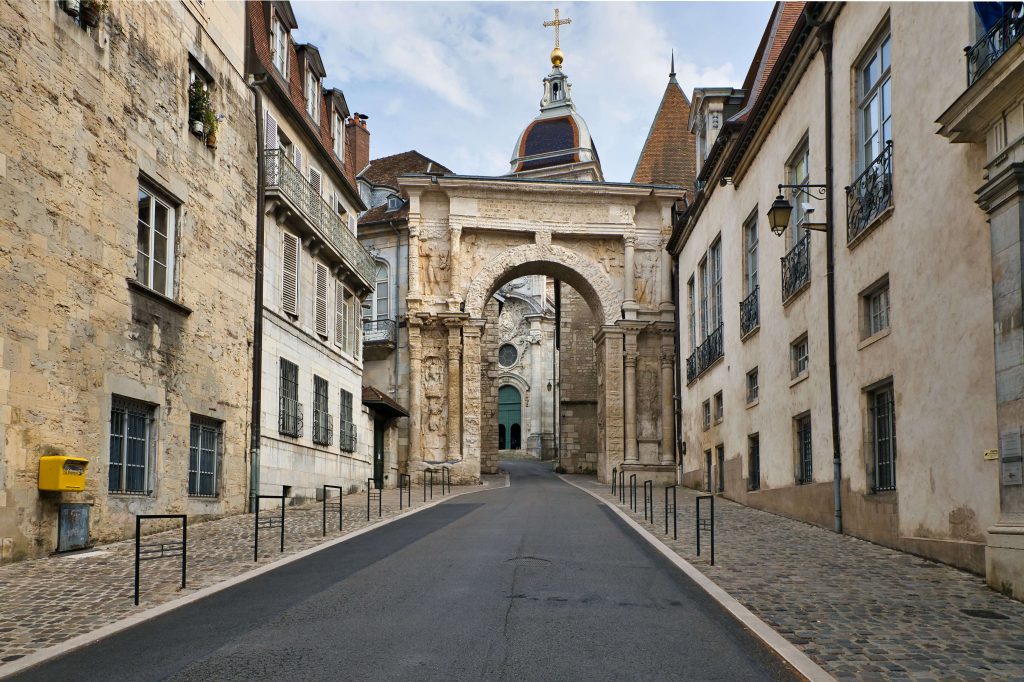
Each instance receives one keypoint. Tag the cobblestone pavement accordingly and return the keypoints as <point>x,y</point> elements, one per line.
<point>47,601</point>
<point>861,611</point>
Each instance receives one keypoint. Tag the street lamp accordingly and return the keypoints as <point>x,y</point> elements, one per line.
<point>781,210</point>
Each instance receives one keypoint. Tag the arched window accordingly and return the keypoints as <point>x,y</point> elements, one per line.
<point>378,305</point>
<point>555,93</point>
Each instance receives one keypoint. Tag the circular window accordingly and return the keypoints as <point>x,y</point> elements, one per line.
<point>507,355</point>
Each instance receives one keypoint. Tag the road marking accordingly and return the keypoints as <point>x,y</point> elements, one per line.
<point>786,650</point>
<point>51,652</point>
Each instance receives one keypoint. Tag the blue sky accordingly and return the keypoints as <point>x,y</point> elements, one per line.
<point>459,81</point>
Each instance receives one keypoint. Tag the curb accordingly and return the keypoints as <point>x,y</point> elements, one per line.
<point>51,652</point>
<point>785,649</point>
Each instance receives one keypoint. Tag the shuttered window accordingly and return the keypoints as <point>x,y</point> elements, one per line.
<point>340,316</point>
<point>316,180</point>
<point>290,274</point>
<point>353,324</point>
<point>352,223</point>
<point>271,139</point>
<point>320,304</point>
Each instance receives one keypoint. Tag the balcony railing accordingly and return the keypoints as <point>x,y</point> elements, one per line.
<point>870,194</point>
<point>323,429</point>
<point>796,268</point>
<point>347,437</point>
<point>290,417</point>
<point>382,331</point>
<point>992,45</point>
<point>285,178</point>
<point>750,312</point>
<point>705,355</point>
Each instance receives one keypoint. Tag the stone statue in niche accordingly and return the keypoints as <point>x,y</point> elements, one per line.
<point>646,277</point>
<point>648,394</point>
<point>433,375</point>
<point>434,268</point>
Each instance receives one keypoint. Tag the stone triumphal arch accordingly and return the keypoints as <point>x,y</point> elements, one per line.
<point>468,236</point>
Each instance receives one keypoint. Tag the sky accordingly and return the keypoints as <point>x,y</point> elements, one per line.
<point>459,81</point>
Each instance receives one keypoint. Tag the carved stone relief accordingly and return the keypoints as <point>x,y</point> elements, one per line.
<point>646,271</point>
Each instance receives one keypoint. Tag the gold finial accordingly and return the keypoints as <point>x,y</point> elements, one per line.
<point>556,54</point>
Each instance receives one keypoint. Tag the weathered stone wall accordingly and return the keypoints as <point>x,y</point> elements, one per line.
<point>578,385</point>
<point>489,375</point>
<point>83,117</point>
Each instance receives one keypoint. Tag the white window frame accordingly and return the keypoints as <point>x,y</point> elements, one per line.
<point>878,310</point>
<point>872,124</point>
<point>707,414</point>
<point>339,138</point>
<point>145,276</point>
<point>799,353</point>
<point>691,300</point>
<point>372,309</point>
<point>798,172</point>
<point>753,389</point>
<point>719,407</point>
<point>312,95</point>
<point>715,265</point>
<point>279,44</point>
<point>750,245</point>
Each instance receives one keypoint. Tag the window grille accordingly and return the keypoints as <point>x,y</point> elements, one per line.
<point>131,425</point>
<point>805,470</point>
<point>290,409</point>
<point>347,438</point>
<point>720,453</point>
<point>205,447</point>
<point>883,423</point>
<point>323,427</point>
<point>754,464</point>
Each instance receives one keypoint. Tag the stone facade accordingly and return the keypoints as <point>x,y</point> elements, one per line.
<point>90,119</point>
<point>913,327</point>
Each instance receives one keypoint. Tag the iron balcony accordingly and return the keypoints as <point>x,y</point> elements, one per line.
<point>286,182</point>
<point>290,417</point>
<point>381,333</point>
<point>870,194</point>
<point>796,268</point>
<point>750,312</point>
<point>705,355</point>
<point>987,51</point>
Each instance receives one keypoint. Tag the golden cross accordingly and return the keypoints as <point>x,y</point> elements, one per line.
<point>556,23</point>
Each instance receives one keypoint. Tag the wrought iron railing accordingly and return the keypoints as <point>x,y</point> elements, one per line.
<point>284,177</point>
<point>993,44</point>
<point>347,437</point>
<point>381,331</point>
<point>705,355</point>
<point>870,194</point>
<point>290,417</point>
<point>750,312</point>
<point>796,268</point>
<point>323,428</point>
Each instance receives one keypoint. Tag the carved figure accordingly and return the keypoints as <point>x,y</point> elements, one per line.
<point>646,278</point>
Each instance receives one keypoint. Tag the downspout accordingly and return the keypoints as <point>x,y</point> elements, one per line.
<point>825,33</point>
<point>257,324</point>
<point>398,293</point>
<point>677,398</point>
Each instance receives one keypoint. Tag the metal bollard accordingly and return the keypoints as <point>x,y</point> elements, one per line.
<point>614,476</point>
<point>339,503</point>
<point>675,516</point>
<point>632,492</point>
<point>706,524</point>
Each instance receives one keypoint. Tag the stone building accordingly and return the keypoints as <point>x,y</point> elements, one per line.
<point>315,429</point>
<point>125,265</point>
<point>985,114</point>
<point>862,401</point>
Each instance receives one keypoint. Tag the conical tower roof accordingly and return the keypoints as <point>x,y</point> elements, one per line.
<point>669,156</point>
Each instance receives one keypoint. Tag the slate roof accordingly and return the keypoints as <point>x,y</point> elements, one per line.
<point>670,151</point>
<point>384,172</point>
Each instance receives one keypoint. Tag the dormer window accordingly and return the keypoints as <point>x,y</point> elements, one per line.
<point>394,203</point>
<point>312,95</point>
<point>338,132</point>
<point>279,44</point>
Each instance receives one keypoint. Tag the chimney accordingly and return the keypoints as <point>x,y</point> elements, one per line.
<point>357,145</point>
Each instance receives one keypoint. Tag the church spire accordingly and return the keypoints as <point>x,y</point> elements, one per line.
<point>672,69</point>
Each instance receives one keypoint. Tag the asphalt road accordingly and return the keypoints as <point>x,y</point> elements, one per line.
<point>538,581</point>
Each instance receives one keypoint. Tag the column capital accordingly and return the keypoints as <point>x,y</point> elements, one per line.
<point>629,239</point>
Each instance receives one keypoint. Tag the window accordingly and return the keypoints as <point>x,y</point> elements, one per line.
<point>200,109</point>
<point>320,302</point>
<point>720,456</point>
<point>204,449</point>
<point>883,437</point>
<point>348,427</point>
<point>131,446</point>
<point>715,265</point>
<point>799,172</point>
<point>707,415</point>
<point>507,355</point>
<point>279,44</point>
<point>719,407</point>
<point>395,203</point>
<point>750,253</point>
<point>804,467</point>
<point>754,462</point>
<point>312,95</point>
<point>341,315</point>
<point>290,408</point>
<point>705,285</point>
<point>752,387</point>
<point>875,308</point>
<point>798,356</point>
<point>874,102</point>
<point>316,181</point>
<point>708,472</point>
<point>377,306</point>
<point>154,265</point>
<point>290,274</point>
<point>323,429</point>
<point>691,313</point>
<point>338,131</point>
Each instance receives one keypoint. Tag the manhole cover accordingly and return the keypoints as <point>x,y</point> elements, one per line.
<point>984,613</point>
<point>528,561</point>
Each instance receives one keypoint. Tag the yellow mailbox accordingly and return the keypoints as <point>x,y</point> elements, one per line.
<point>61,473</point>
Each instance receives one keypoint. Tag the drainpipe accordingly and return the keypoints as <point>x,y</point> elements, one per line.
<point>825,33</point>
<point>677,399</point>
<point>398,293</point>
<point>257,324</point>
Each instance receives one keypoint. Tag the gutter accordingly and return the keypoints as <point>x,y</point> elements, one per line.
<point>257,324</point>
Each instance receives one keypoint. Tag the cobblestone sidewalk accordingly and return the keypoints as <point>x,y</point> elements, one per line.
<point>47,601</point>
<point>861,611</point>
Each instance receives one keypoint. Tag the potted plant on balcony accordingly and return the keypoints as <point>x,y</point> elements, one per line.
<point>211,121</point>
<point>72,7</point>
<point>198,107</point>
<point>92,12</point>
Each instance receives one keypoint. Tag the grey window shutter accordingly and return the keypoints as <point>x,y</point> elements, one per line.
<point>320,305</point>
<point>339,313</point>
<point>271,141</point>
<point>290,274</point>
<point>315,180</point>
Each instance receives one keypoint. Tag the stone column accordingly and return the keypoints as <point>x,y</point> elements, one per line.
<point>455,268</point>
<point>609,347</point>
<point>668,439</point>
<point>454,439</point>
<point>666,277</point>
<point>628,271</point>
<point>414,258</point>
<point>471,398</point>
<point>629,357</point>
<point>538,386</point>
<point>415,390</point>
